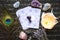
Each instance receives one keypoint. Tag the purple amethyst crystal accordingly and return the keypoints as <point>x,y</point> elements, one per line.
<point>36,3</point>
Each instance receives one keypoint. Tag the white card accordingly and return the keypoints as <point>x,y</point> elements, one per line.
<point>25,13</point>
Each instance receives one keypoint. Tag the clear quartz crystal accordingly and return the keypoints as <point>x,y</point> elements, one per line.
<point>16,4</point>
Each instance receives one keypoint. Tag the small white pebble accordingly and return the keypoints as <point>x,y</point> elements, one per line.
<point>16,4</point>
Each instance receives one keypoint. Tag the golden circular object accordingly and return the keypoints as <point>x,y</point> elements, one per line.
<point>48,21</point>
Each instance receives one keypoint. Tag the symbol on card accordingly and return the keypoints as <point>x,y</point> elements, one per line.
<point>29,18</point>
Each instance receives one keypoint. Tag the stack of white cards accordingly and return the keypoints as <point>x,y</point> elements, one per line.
<point>34,13</point>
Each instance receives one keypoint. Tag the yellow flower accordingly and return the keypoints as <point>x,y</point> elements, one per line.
<point>48,20</point>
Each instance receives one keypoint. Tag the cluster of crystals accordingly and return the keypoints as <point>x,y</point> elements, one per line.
<point>38,33</point>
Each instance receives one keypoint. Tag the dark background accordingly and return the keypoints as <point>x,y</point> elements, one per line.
<point>53,34</point>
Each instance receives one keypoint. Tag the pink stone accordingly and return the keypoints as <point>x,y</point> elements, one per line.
<point>23,35</point>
